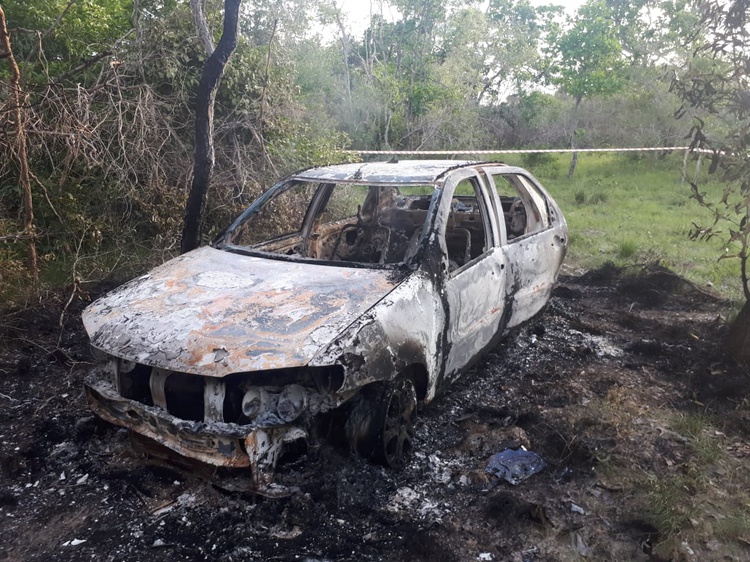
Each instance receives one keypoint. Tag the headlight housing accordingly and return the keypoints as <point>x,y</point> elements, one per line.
<point>281,396</point>
<point>292,402</point>
<point>255,402</point>
<point>286,404</point>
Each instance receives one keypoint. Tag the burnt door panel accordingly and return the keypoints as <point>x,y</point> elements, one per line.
<point>532,247</point>
<point>475,299</point>
<point>474,270</point>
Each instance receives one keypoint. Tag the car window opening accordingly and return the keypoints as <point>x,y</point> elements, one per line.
<point>524,209</point>
<point>339,222</point>
<point>465,233</point>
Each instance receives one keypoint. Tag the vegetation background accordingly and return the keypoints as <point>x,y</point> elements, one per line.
<point>99,99</point>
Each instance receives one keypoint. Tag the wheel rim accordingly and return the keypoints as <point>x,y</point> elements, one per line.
<point>398,426</point>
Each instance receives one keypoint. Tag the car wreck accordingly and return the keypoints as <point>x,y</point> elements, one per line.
<point>341,299</point>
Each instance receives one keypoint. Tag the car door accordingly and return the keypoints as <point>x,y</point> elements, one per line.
<point>531,244</point>
<point>473,270</point>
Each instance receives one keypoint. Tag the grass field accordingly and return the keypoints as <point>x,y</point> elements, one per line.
<point>631,210</point>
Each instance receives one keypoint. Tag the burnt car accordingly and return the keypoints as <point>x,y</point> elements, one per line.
<point>341,299</point>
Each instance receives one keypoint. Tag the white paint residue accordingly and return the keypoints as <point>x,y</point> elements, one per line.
<point>323,335</point>
<point>295,313</point>
<point>221,280</point>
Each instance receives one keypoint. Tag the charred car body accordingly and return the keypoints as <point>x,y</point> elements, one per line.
<point>347,293</point>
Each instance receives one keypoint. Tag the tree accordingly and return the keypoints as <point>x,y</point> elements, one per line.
<point>514,30</point>
<point>715,90</point>
<point>587,60</point>
<point>18,101</point>
<point>204,126</point>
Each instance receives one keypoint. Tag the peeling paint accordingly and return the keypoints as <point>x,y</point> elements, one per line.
<point>168,320</point>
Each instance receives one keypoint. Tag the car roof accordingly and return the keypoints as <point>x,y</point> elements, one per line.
<point>404,171</point>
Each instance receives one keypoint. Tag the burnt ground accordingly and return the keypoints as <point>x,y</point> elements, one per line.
<point>621,385</point>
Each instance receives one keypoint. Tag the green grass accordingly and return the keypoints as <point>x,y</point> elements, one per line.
<point>627,249</point>
<point>709,494</point>
<point>631,210</point>
<point>668,505</point>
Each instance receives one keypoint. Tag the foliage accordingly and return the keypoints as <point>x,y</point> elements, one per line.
<point>716,95</point>
<point>111,154</point>
<point>587,58</point>
<point>71,32</point>
<point>111,101</point>
<point>428,79</point>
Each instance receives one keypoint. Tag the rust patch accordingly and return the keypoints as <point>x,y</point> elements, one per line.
<point>211,323</point>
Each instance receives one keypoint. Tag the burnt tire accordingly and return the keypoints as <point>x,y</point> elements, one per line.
<point>381,424</point>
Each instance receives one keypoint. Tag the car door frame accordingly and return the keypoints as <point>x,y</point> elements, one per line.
<point>473,294</point>
<point>530,278</point>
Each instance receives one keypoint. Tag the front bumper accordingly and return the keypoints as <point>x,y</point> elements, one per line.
<point>214,443</point>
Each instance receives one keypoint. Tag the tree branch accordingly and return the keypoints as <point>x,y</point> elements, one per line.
<point>263,98</point>
<point>201,26</point>
<point>83,66</point>
<point>23,161</point>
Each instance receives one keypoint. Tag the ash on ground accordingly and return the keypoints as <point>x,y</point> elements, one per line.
<point>576,386</point>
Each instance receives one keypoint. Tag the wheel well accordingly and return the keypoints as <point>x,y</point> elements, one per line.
<point>419,376</point>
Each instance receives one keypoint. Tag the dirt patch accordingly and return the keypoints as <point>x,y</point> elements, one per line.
<point>622,386</point>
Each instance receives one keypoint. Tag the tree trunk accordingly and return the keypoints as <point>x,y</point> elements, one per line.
<point>24,176</point>
<point>738,342</point>
<point>573,134</point>
<point>264,101</point>
<point>204,127</point>
<point>346,49</point>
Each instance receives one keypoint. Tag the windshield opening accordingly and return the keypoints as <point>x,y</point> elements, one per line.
<point>336,222</point>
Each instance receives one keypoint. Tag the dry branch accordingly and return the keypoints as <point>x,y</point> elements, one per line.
<point>23,162</point>
<point>84,65</point>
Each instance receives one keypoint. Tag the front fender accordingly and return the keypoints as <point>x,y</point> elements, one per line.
<point>403,329</point>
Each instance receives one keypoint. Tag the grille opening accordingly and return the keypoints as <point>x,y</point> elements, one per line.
<point>233,403</point>
<point>135,384</point>
<point>184,394</point>
<point>328,379</point>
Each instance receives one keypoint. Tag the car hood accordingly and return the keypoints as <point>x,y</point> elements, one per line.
<point>213,313</point>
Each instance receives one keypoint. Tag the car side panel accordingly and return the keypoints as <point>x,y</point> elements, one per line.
<point>531,276</point>
<point>533,259</point>
<point>475,298</point>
